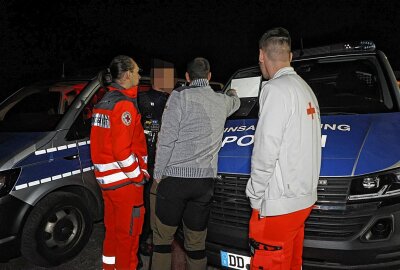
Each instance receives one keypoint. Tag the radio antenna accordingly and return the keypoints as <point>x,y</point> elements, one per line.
<point>301,47</point>
<point>63,71</point>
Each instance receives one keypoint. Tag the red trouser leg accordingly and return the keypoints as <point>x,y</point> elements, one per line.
<point>109,238</point>
<point>285,231</point>
<point>126,220</point>
<point>297,259</point>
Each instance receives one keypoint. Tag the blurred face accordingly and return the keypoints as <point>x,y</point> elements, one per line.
<point>163,78</point>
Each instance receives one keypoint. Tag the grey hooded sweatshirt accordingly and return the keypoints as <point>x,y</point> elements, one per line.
<point>191,131</point>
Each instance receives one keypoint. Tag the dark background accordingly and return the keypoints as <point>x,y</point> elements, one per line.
<point>38,37</point>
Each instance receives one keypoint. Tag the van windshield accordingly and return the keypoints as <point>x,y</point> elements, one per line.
<point>39,107</point>
<point>345,85</point>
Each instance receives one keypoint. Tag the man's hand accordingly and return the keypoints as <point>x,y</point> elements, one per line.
<point>231,92</point>
<point>157,180</point>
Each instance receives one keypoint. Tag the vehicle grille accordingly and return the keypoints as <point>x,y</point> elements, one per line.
<point>332,218</point>
<point>231,207</point>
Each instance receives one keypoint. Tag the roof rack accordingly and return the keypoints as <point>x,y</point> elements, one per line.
<point>360,46</point>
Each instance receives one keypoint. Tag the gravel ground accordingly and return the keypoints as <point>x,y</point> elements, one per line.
<point>90,257</point>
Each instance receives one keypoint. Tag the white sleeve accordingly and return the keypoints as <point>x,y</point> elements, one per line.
<point>273,117</point>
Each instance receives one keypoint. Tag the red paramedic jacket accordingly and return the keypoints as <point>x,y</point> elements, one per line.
<point>118,145</point>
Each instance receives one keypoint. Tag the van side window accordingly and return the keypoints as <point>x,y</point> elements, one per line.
<point>37,111</point>
<point>80,129</point>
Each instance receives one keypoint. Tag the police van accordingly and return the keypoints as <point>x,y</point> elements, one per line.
<point>355,224</point>
<point>49,197</point>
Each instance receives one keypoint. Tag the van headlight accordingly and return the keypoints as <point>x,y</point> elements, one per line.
<point>7,180</point>
<point>376,186</point>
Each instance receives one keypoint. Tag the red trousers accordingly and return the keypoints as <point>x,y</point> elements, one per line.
<point>283,236</point>
<point>123,219</point>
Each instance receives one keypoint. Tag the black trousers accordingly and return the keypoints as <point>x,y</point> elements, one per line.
<point>186,200</point>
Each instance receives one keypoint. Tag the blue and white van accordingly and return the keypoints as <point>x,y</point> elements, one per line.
<point>355,223</point>
<point>49,197</point>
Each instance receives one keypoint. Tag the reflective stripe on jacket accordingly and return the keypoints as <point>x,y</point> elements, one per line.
<point>118,146</point>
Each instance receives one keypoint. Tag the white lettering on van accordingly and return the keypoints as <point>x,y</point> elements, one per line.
<point>228,139</point>
<point>323,140</point>
<point>246,140</point>
<point>341,127</point>
<point>240,128</point>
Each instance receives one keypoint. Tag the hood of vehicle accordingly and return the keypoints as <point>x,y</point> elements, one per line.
<point>351,144</point>
<point>16,146</point>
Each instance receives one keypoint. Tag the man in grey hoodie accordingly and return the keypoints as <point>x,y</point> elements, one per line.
<point>186,164</point>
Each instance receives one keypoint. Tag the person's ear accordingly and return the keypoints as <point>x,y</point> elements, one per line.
<point>261,56</point>
<point>290,57</point>
<point>209,76</point>
<point>187,77</point>
<point>126,76</point>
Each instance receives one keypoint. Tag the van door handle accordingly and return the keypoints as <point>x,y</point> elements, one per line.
<point>71,157</point>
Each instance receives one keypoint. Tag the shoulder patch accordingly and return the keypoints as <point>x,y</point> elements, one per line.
<point>126,118</point>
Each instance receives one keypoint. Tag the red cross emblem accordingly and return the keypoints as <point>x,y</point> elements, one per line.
<point>126,118</point>
<point>310,110</point>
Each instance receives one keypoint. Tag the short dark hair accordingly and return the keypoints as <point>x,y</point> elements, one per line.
<point>276,43</point>
<point>198,68</point>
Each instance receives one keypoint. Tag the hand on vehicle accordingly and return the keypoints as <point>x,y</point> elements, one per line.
<point>231,92</point>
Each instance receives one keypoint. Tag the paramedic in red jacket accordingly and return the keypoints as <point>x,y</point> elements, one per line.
<point>118,150</point>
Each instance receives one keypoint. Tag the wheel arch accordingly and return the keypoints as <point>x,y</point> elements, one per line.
<point>93,199</point>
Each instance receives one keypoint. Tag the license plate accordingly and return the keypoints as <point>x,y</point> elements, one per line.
<point>234,261</point>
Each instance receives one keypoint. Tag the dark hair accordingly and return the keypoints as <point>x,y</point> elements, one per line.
<point>121,64</point>
<point>275,36</point>
<point>118,66</point>
<point>158,63</point>
<point>198,68</point>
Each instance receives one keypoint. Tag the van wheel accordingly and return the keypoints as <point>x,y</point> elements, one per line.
<point>56,230</point>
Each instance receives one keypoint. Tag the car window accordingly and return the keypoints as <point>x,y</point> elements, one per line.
<point>247,84</point>
<point>37,111</point>
<point>38,108</point>
<point>81,127</point>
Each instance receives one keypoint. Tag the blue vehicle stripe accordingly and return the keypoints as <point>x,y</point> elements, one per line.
<point>353,144</point>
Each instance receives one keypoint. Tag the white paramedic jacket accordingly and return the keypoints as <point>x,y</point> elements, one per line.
<point>286,159</point>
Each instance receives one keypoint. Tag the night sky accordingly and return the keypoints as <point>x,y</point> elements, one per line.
<point>37,37</point>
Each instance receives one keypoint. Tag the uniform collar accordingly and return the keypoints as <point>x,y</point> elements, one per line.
<point>130,92</point>
<point>284,71</point>
<point>199,82</point>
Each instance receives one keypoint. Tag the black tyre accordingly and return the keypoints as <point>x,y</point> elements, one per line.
<point>56,230</point>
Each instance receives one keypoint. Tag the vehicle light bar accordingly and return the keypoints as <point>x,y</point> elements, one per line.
<point>364,45</point>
